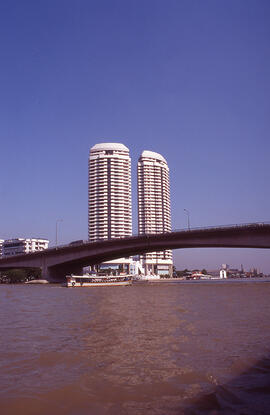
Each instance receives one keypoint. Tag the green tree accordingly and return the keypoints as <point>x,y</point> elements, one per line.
<point>33,273</point>
<point>16,275</point>
<point>21,275</point>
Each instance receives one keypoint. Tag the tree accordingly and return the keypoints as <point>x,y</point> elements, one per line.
<point>21,275</point>
<point>181,273</point>
<point>34,273</point>
<point>16,275</point>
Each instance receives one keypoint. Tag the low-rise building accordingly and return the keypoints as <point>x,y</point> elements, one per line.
<point>23,246</point>
<point>1,244</point>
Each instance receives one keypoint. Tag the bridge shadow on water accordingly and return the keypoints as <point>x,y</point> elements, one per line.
<point>246,394</point>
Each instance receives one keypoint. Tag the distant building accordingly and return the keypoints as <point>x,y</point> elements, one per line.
<point>154,210</point>
<point>1,244</point>
<point>223,273</point>
<point>23,246</point>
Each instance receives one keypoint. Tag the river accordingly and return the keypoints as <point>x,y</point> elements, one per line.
<point>145,349</point>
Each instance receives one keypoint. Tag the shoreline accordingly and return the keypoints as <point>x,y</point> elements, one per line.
<point>205,281</point>
<point>161,281</point>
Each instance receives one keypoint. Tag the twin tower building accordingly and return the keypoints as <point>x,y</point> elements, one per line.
<point>110,206</point>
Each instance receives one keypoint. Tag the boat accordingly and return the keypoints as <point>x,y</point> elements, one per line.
<point>146,278</point>
<point>97,280</point>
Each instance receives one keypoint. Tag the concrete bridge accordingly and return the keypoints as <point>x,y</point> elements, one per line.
<point>59,261</point>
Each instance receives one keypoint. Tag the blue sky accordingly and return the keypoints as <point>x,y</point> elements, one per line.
<point>188,79</point>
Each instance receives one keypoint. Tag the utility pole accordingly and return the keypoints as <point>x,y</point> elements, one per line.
<point>56,230</point>
<point>188,221</point>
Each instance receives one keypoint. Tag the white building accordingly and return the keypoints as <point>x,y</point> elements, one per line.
<point>23,246</point>
<point>154,210</point>
<point>109,194</point>
<point>223,273</point>
<point>1,243</point>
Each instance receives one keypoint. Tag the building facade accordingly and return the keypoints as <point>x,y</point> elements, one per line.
<point>23,246</point>
<point>1,245</point>
<point>109,195</point>
<point>154,210</point>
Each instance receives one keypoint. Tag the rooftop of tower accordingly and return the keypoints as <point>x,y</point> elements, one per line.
<point>153,155</point>
<point>109,146</point>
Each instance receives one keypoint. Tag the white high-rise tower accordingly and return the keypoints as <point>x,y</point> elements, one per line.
<point>109,197</point>
<point>154,210</point>
<point>109,193</point>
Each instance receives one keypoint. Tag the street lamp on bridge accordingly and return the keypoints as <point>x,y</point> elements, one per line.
<point>56,230</point>
<point>187,212</point>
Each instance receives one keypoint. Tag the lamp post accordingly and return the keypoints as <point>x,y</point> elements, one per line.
<point>187,212</point>
<point>56,230</point>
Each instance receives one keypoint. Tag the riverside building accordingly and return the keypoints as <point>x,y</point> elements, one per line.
<point>23,246</point>
<point>154,211</point>
<point>1,244</point>
<point>109,197</point>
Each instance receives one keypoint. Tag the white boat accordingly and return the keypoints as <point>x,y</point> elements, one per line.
<point>97,280</point>
<point>144,278</point>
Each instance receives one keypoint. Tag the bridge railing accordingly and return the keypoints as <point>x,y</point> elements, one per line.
<point>241,225</point>
<point>198,228</point>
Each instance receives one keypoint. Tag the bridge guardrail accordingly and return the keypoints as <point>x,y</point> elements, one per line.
<point>173,230</point>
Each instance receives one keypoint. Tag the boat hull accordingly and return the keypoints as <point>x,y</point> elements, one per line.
<point>98,284</point>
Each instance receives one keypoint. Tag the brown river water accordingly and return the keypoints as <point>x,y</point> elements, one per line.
<point>198,348</point>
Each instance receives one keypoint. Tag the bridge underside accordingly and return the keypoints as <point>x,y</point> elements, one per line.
<point>58,273</point>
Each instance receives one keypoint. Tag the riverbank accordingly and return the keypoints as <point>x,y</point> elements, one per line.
<point>204,281</point>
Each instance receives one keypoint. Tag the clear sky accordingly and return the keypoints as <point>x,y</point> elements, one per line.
<point>188,79</point>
